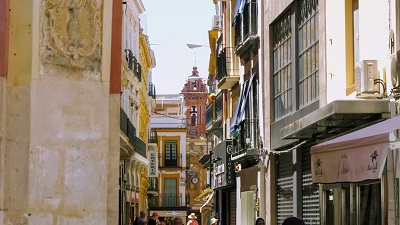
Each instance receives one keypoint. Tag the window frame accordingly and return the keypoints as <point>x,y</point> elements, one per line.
<point>286,51</point>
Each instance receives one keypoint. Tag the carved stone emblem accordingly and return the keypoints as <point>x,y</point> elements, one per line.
<point>71,33</point>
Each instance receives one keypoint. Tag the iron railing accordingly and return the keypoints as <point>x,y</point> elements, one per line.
<point>129,58</point>
<point>246,23</point>
<point>219,104</point>
<point>153,184</point>
<point>152,90</point>
<point>127,127</point>
<point>133,64</point>
<point>245,136</point>
<point>214,110</point>
<point>153,138</point>
<point>209,114</point>
<point>140,147</point>
<point>171,161</point>
<point>167,200</point>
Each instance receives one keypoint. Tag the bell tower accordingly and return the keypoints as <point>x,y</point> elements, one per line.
<point>195,95</point>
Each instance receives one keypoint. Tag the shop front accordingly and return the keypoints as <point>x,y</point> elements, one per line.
<point>224,183</point>
<point>352,171</point>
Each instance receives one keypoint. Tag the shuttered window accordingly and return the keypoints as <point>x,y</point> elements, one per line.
<point>284,187</point>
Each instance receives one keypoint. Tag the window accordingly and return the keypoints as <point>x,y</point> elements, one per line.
<point>170,193</point>
<point>171,153</point>
<point>295,42</point>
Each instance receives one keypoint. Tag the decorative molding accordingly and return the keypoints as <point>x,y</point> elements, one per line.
<point>71,33</point>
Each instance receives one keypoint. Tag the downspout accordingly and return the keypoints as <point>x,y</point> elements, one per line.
<point>261,177</point>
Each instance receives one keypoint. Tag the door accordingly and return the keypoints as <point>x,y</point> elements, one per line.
<point>170,192</point>
<point>171,153</point>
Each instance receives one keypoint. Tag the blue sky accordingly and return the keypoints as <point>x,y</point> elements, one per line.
<point>170,26</point>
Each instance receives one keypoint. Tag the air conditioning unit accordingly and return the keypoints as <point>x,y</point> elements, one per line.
<point>366,74</point>
<point>215,22</point>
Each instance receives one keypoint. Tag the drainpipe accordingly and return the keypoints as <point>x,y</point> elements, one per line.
<point>261,176</point>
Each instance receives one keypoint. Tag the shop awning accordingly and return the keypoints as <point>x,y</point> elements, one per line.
<point>354,157</point>
<point>238,115</point>
<point>204,193</point>
<point>212,38</point>
<point>209,198</point>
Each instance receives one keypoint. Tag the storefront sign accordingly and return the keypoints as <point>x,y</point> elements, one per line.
<point>224,169</point>
<point>349,161</point>
<point>153,169</point>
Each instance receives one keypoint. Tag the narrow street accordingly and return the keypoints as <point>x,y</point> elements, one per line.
<point>199,112</point>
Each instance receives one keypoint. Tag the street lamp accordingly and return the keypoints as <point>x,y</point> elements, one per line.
<point>192,46</point>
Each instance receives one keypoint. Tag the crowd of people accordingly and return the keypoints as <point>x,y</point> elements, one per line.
<point>156,220</point>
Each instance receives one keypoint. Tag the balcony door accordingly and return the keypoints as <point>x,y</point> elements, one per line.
<point>171,153</point>
<point>170,193</point>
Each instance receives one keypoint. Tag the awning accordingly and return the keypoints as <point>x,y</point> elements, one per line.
<point>209,198</point>
<point>238,115</point>
<point>204,193</point>
<point>354,157</point>
<point>212,38</point>
<point>170,213</point>
<point>238,10</point>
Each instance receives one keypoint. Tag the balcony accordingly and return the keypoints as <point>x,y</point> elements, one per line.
<point>153,184</point>
<point>153,138</point>
<point>214,114</point>
<point>127,127</point>
<point>227,76</point>
<point>140,147</point>
<point>133,64</point>
<point>245,141</point>
<point>171,161</point>
<point>167,200</point>
<point>246,38</point>
<point>152,90</point>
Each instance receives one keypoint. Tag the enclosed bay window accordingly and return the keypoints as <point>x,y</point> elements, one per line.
<point>296,58</point>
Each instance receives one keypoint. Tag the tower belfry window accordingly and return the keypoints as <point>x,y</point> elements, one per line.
<point>194,85</point>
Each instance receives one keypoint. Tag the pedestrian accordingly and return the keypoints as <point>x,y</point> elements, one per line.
<point>178,221</point>
<point>192,219</point>
<point>260,221</point>
<point>142,219</point>
<point>214,221</point>
<point>293,221</point>
<point>154,216</point>
<point>152,222</point>
<point>161,221</point>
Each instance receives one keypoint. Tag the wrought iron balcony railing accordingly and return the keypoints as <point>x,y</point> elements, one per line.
<point>245,136</point>
<point>170,160</point>
<point>127,127</point>
<point>214,111</point>
<point>153,138</point>
<point>129,58</point>
<point>209,114</point>
<point>140,147</point>
<point>246,23</point>
<point>152,90</point>
<point>153,184</point>
<point>167,200</point>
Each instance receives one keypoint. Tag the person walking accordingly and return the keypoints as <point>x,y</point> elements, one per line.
<point>192,219</point>
<point>178,221</point>
<point>214,221</point>
<point>260,221</point>
<point>293,221</point>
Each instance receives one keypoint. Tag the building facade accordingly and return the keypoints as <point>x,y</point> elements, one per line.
<point>168,162</point>
<point>60,107</point>
<point>195,98</point>
<point>137,100</point>
<point>327,91</point>
<point>327,85</point>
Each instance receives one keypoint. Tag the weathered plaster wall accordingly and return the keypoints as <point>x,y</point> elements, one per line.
<point>59,125</point>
